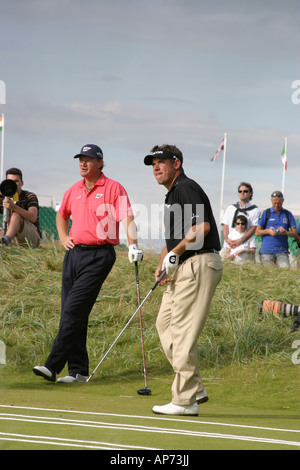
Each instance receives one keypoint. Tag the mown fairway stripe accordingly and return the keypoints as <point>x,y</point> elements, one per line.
<point>156,418</point>
<point>49,440</point>
<point>139,428</point>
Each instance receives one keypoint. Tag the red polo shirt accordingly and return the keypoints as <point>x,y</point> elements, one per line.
<point>96,214</point>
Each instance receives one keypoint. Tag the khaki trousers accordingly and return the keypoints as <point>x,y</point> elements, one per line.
<point>29,235</point>
<point>181,318</point>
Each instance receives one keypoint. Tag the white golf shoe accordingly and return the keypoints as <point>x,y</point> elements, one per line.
<point>42,371</point>
<point>68,379</point>
<point>171,409</point>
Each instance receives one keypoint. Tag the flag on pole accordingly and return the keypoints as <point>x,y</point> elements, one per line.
<point>284,156</point>
<point>221,147</point>
<point>1,122</point>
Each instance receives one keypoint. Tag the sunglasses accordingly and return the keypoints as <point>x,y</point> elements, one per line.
<point>243,190</point>
<point>277,195</point>
<point>240,223</point>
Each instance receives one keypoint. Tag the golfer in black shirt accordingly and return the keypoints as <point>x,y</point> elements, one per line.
<point>192,245</point>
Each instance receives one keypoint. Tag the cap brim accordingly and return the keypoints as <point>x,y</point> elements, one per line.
<point>161,154</point>
<point>148,160</point>
<point>85,155</point>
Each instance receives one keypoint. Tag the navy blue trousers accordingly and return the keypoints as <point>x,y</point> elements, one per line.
<point>84,272</point>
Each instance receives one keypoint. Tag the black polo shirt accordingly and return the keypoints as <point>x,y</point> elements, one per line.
<point>186,204</point>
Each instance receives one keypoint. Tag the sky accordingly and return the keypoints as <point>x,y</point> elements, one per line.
<point>128,75</point>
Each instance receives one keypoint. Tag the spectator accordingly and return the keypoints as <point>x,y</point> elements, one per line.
<point>273,227</point>
<point>243,207</point>
<point>246,250</point>
<point>23,227</point>
<point>298,243</point>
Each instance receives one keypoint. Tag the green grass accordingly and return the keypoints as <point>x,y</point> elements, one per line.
<point>261,395</point>
<point>235,333</point>
<point>245,357</point>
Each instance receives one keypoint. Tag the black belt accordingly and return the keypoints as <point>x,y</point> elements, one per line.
<point>189,253</point>
<point>93,247</point>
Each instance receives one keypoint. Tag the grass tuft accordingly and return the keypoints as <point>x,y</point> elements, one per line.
<point>235,333</point>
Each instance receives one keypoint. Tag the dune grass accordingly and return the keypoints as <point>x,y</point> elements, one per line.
<point>235,333</point>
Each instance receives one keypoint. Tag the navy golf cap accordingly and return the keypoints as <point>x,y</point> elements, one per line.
<point>90,150</point>
<point>162,154</point>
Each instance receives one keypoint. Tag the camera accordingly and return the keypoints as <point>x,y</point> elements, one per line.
<point>8,188</point>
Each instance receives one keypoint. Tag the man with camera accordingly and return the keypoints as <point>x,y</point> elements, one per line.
<point>273,227</point>
<point>23,209</point>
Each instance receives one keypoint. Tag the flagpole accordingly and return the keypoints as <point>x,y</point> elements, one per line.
<point>2,147</point>
<point>223,175</point>
<point>284,165</point>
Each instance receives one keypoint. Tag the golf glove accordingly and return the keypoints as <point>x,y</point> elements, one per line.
<point>134,253</point>
<point>170,262</point>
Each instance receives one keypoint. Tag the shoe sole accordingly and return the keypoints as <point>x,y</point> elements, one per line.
<point>177,414</point>
<point>60,381</point>
<point>202,400</point>
<point>40,374</point>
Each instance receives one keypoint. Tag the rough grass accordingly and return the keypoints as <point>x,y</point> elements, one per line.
<point>235,333</point>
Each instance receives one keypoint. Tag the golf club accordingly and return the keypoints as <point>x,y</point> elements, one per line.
<point>82,378</point>
<point>146,390</point>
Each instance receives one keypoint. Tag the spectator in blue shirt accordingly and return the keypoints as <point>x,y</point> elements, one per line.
<point>273,226</point>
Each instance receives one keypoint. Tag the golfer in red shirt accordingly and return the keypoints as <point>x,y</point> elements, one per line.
<point>97,204</point>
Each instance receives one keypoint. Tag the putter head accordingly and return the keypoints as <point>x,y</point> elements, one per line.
<point>144,391</point>
<point>81,378</point>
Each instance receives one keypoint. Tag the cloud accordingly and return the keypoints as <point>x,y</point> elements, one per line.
<point>129,75</point>
<point>124,125</point>
<point>269,28</point>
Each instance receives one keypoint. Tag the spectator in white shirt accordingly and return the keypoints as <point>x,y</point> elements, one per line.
<point>245,251</point>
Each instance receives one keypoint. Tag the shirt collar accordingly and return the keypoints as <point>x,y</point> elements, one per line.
<point>177,181</point>
<point>100,182</point>
<point>247,205</point>
<point>274,212</point>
